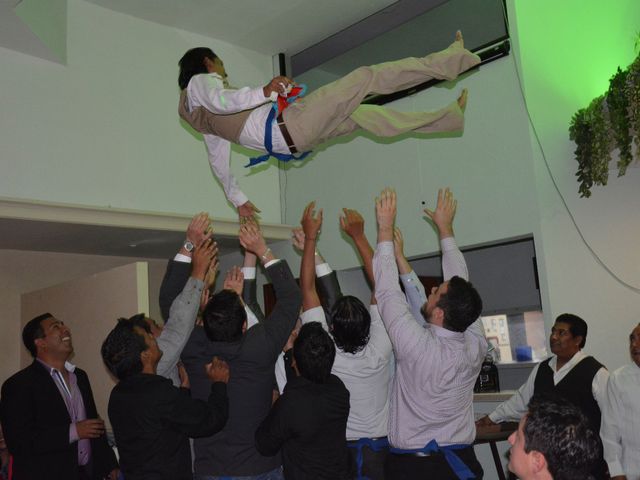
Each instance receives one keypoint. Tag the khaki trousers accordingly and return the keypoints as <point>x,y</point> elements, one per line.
<point>334,109</point>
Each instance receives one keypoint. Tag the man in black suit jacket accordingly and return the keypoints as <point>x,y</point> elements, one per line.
<point>49,416</point>
<point>251,355</point>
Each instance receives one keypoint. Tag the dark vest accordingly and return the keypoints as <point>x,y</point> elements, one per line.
<point>576,387</point>
<point>202,120</point>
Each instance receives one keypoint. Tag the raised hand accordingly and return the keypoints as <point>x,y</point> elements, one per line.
<point>199,228</point>
<point>386,207</point>
<point>311,222</point>
<point>352,223</point>
<point>444,213</point>
<point>217,370</point>
<point>234,280</point>
<point>297,238</point>
<point>203,255</point>
<point>212,273</point>
<point>251,239</point>
<point>248,212</point>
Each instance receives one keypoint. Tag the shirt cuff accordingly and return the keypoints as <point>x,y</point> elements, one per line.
<point>615,468</point>
<point>182,258</point>
<point>386,248</point>
<point>323,269</point>
<point>73,433</point>
<point>448,243</point>
<point>271,262</point>
<point>495,418</point>
<point>249,273</point>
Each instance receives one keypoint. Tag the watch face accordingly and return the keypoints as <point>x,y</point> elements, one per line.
<point>188,246</point>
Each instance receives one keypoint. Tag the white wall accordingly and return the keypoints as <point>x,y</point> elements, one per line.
<point>489,169</point>
<point>103,130</point>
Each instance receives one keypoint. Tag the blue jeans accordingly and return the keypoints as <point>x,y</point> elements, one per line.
<point>272,475</point>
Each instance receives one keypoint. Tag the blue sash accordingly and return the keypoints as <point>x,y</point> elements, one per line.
<point>375,445</point>
<point>268,145</point>
<point>457,465</point>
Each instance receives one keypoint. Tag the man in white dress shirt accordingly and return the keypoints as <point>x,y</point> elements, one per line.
<point>620,429</point>
<point>246,116</point>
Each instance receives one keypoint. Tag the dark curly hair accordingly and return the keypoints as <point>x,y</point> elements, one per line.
<point>560,431</point>
<point>122,348</point>
<point>224,317</point>
<point>314,352</point>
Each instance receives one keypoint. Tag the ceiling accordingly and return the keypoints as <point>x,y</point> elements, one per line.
<point>255,24</point>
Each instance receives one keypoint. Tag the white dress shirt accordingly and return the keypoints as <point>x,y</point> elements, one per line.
<point>207,90</point>
<point>366,374</point>
<point>513,409</point>
<point>620,429</point>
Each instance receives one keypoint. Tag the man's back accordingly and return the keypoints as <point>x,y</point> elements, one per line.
<point>152,422</point>
<point>251,364</point>
<point>309,423</point>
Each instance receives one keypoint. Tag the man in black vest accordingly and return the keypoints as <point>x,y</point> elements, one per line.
<point>569,373</point>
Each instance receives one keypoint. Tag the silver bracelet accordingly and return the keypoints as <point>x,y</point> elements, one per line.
<point>264,255</point>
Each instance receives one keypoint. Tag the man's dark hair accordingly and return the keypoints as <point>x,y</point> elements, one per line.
<point>192,63</point>
<point>314,352</point>
<point>577,326</point>
<point>350,324</point>
<point>559,430</point>
<point>224,317</point>
<point>122,348</point>
<point>33,330</point>
<point>461,305</point>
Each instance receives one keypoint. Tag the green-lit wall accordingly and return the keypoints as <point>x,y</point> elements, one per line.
<point>566,52</point>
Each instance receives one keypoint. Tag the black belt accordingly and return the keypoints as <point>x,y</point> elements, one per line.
<point>285,134</point>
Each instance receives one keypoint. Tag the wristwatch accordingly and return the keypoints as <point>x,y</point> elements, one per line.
<point>188,245</point>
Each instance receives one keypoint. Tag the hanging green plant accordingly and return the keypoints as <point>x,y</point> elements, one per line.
<point>610,121</point>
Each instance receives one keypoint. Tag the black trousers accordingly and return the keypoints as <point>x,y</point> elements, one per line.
<point>372,465</point>
<point>410,467</point>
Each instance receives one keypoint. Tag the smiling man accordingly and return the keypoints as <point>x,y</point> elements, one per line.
<point>49,417</point>
<point>569,373</point>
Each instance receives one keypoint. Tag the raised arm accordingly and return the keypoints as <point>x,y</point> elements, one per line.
<point>179,268</point>
<point>249,288</point>
<point>403,331</point>
<point>352,224</point>
<point>311,224</point>
<point>280,322</point>
<point>453,262</point>
<point>413,288</point>
<point>184,310</point>
<point>326,279</point>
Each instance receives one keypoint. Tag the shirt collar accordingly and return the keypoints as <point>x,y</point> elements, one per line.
<point>570,364</point>
<point>68,366</point>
